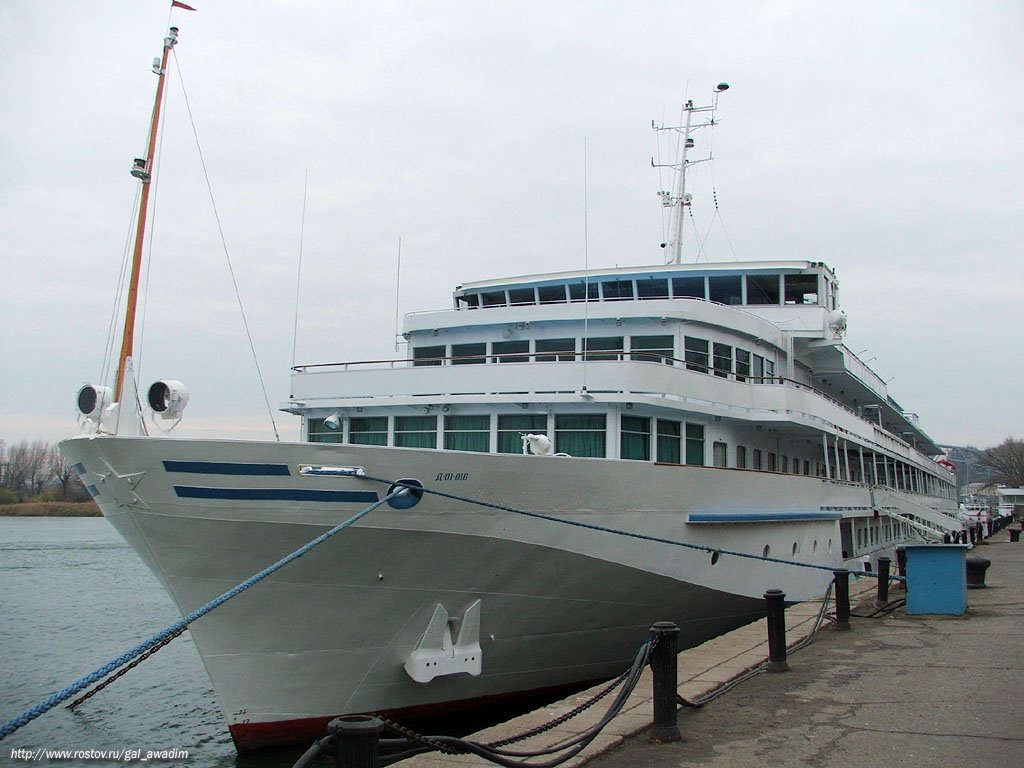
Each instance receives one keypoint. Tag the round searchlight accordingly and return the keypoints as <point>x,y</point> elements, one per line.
<point>92,399</point>
<point>168,398</point>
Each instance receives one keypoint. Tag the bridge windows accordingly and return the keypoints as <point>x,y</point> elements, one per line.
<point>521,296</point>
<point>763,289</point>
<point>617,290</point>
<point>652,288</point>
<point>726,289</point>
<point>551,294</point>
<point>801,289</point>
<point>577,291</point>
<point>689,287</point>
<point>731,289</point>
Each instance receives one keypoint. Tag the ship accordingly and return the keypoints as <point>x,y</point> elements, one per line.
<point>557,462</point>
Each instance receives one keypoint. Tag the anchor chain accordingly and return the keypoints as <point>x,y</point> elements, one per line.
<point>113,677</point>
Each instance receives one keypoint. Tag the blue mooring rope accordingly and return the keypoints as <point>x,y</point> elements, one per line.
<point>65,693</point>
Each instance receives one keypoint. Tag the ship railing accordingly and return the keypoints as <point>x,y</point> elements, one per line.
<point>702,366</point>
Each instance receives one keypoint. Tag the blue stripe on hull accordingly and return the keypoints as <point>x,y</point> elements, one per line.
<point>226,468</point>
<point>759,517</point>
<point>275,494</point>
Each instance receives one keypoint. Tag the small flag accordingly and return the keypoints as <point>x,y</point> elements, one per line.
<point>176,4</point>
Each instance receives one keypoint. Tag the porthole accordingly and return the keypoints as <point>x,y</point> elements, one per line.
<point>766,551</point>
<point>715,557</point>
<point>814,547</point>
<point>796,547</point>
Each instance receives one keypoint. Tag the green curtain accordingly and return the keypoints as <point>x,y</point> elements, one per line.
<point>580,435</point>
<point>669,442</point>
<point>695,444</point>
<point>416,431</point>
<point>511,428</point>
<point>368,430</point>
<point>635,438</point>
<point>318,433</point>
<point>467,433</point>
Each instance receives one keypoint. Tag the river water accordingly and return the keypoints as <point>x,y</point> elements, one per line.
<point>74,596</point>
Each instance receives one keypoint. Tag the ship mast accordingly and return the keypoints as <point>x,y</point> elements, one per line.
<point>142,170</point>
<point>679,200</point>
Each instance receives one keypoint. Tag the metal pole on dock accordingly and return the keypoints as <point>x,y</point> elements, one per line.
<point>775,601</point>
<point>842,582</point>
<point>882,597</point>
<point>665,680</point>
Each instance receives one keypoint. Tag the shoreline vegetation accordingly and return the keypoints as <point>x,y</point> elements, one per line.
<point>51,509</point>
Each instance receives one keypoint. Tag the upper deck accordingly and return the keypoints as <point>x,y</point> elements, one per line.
<point>759,285</point>
<point>736,323</point>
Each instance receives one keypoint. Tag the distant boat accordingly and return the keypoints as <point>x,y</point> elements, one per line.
<point>974,511</point>
<point>712,405</point>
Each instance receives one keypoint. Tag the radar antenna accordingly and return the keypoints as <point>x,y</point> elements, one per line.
<point>679,200</point>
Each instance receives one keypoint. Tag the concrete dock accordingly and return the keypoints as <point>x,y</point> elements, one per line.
<point>894,690</point>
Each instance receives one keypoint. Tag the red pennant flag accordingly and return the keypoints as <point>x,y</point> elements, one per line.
<point>176,4</point>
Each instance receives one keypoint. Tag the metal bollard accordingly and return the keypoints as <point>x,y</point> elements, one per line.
<point>775,602</point>
<point>354,739</point>
<point>842,582</point>
<point>665,679</point>
<point>882,598</point>
<point>1014,534</point>
<point>976,567</point>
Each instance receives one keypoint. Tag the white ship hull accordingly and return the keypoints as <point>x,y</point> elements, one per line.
<point>330,633</point>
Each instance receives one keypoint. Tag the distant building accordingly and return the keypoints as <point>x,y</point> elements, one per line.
<point>1011,500</point>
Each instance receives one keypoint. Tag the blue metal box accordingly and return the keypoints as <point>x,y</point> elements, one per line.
<point>937,579</point>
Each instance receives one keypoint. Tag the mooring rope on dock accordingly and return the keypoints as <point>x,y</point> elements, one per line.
<point>166,634</point>
<point>413,743</point>
<point>728,685</point>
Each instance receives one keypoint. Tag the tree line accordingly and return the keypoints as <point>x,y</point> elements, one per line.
<point>1006,462</point>
<point>34,470</point>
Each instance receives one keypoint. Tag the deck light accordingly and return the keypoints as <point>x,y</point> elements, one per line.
<point>92,399</point>
<point>168,398</point>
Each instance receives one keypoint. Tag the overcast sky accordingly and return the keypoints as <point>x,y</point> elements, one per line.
<point>884,138</point>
